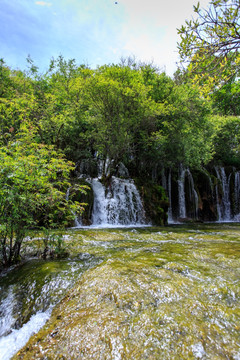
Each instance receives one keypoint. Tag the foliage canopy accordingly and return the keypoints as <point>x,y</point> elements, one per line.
<point>33,185</point>
<point>210,43</point>
<point>128,113</point>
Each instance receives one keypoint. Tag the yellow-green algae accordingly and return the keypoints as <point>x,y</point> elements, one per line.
<point>159,293</point>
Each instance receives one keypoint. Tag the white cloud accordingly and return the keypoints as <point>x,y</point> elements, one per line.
<point>150,29</point>
<point>160,12</point>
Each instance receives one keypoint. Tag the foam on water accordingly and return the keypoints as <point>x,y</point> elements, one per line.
<point>6,310</point>
<point>26,303</point>
<point>14,341</point>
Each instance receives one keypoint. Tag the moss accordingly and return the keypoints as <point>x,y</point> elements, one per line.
<point>155,201</point>
<point>158,293</point>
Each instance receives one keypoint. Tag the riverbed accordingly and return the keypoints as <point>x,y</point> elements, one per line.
<point>128,293</point>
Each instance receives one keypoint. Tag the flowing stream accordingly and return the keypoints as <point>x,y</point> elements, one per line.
<point>140,293</point>
<point>28,294</point>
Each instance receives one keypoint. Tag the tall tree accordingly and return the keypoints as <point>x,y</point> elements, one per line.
<point>121,111</point>
<point>33,182</point>
<point>226,140</point>
<point>210,43</point>
<point>226,100</point>
<point>184,133</point>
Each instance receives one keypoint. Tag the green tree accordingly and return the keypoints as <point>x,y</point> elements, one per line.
<point>184,131</point>
<point>226,99</point>
<point>210,43</point>
<point>226,140</point>
<point>121,111</point>
<point>33,182</point>
<point>63,119</point>
<point>6,84</point>
<point>17,101</point>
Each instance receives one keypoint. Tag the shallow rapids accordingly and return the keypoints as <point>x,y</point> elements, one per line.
<point>153,293</point>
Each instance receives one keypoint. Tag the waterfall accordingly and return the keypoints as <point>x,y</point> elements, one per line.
<point>118,204</point>
<point>218,205</point>
<point>224,208</point>
<point>192,194</point>
<point>167,185</point>
<point>181,193</point>
<point>104,167</point>
<point>237,196</point>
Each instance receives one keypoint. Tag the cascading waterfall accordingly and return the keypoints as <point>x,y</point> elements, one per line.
<point>181,193</point>
<point>104,167</point>
<point>118,204</point>
<point>237,195</point>
<point>167,185</point>
<point>224,208</point>
<point>223,197</point>
<point>218,205</point>
<point>193,197</point>
<point>193,194</point>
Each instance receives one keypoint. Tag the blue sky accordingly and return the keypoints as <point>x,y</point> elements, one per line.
<point>94,32</point>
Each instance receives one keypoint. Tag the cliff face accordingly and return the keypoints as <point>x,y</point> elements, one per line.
<point>168,196</point>
<point>212,194</point>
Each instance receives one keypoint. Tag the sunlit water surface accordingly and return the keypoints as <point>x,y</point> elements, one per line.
<point>142,293</point>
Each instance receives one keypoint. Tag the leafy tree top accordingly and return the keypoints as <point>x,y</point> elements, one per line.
<point>210,43</point>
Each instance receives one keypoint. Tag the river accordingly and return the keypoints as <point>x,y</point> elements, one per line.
<point>128,293</point>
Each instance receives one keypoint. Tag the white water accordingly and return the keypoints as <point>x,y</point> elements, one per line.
<point>193,197</point>
<point>181,193</point>
<point>237,195</point>
<point>39,294</point>
<point>224,208</point>
<point>6,310</point>
<point>119,204</point>
<point>218,205</point>
<point>193,194</point>
<point>13,342</point>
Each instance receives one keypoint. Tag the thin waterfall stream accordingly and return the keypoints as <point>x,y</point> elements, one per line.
<point>181,193</point>
<point>224,209</point>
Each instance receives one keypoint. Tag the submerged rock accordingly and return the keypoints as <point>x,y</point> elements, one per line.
<point>161,304</point>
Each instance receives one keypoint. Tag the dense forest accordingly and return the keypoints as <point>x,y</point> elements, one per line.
<point>54,124</point>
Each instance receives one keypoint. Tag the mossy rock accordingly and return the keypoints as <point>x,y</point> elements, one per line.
<point>155,201</point>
